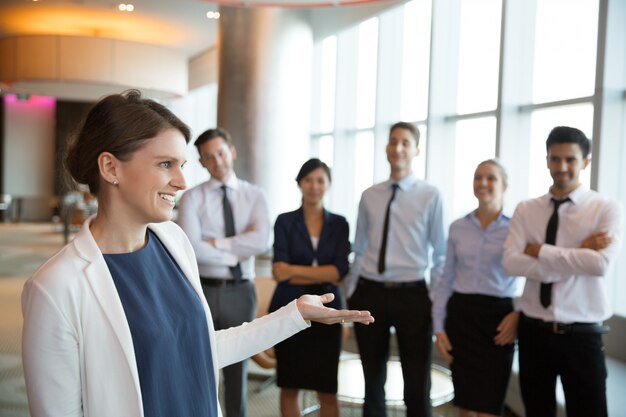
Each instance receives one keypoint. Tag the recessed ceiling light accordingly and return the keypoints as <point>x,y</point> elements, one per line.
<point>213,15</point>
<point>123,7</point>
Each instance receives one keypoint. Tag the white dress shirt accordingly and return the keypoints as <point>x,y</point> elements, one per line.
<point>201,216</point>
<point>578,275</point>
<point>415,226</point>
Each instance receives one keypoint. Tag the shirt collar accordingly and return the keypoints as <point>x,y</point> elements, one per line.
<point>232,182</point>
<point>575,195</point>
<point>405,182</point>
<point>474,219</point>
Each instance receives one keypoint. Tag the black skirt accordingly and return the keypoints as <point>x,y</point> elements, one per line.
<point>480,369</point>
<point>309,359</point>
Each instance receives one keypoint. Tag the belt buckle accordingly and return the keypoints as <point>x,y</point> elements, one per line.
<point>390,284</point>
<point>557,328</point>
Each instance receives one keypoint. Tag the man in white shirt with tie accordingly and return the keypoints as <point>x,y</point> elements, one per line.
<point>227,222</point>
<point>399,230</point>
<point>564,243</point>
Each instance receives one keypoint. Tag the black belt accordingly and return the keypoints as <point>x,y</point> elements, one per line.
<point>565,328</point>
<point>391,284</point>
<point>221,282</point>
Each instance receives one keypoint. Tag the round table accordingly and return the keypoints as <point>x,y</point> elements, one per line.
<point>351,388</point>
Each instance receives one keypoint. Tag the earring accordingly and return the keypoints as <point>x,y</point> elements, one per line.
<point>116,182</point>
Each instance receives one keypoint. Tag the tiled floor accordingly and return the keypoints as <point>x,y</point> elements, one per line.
<point>23,247</point>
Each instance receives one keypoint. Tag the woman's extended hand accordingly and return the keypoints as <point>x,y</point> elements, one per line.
<point>312,308</point>
<point>444,346</point>
<point>507,329</point>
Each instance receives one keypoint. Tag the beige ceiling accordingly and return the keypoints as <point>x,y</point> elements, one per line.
<point>179,24</point>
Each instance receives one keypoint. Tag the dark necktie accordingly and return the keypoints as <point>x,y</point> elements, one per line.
<point>383,244</point>
<point>553,224</point>
<point>229,225</point>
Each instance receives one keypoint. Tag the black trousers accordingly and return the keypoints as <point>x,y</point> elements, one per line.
<point>408,311</point>
<point>578,358</point>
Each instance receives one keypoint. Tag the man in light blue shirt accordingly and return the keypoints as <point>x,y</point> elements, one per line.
<point>399,221</point>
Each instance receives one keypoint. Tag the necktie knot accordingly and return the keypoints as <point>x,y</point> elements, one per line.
<point>557,203</point>
<point>394,188</point>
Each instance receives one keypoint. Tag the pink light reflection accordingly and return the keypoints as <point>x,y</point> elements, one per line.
<point>40,101</point>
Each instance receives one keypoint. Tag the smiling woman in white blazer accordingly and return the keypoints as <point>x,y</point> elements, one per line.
<point>78,352</point>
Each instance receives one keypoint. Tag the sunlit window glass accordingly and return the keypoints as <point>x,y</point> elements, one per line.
<point>565,49</point>
<point>415,60</point>
<point>475,142</point>
<point>419,162</point>
<point>579,116</point>
<point>479,52</point>
<point>366,74</point>
<point>327,88</point>
<point>364,163</point>
<point>326,152</point>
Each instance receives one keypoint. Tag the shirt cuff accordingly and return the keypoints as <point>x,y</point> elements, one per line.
<point>437,327</point>
<point>296,316</point>
<point>230,259</point>
<point>547,251</point>
<point>223,243</point>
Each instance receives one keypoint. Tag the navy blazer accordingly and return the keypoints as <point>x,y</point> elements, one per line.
<point>292,244</point>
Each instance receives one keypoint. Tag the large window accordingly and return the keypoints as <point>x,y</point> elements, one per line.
<point>479,51</point>
<point>475,142</point>
<point>327,84</point>
<point>363,163</point>
<point>415,60</point>
<point>481,79</point>
<point>366,75</point>
<point>565,49</point>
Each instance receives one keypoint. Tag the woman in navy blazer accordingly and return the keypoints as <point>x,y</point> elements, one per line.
<point>311,250</point>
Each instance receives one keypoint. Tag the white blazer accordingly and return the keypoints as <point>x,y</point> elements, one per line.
<point>77,347</point>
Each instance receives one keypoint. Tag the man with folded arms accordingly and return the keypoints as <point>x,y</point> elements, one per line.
<point>564,243</point>
<point>400,220</point>
<point>227,222</point>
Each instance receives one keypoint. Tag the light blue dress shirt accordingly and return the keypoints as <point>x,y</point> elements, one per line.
<point>473,264</point>
<point>415,226</point>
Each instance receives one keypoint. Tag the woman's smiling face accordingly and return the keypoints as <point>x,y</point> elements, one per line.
<point>150,179</point>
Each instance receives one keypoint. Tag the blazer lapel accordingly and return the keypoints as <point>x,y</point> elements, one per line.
<point>302,230</point>
<point>103,287</point>
<point>326,228</point>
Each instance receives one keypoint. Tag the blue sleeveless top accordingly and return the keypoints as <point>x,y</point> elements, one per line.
<point>169,330</point>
